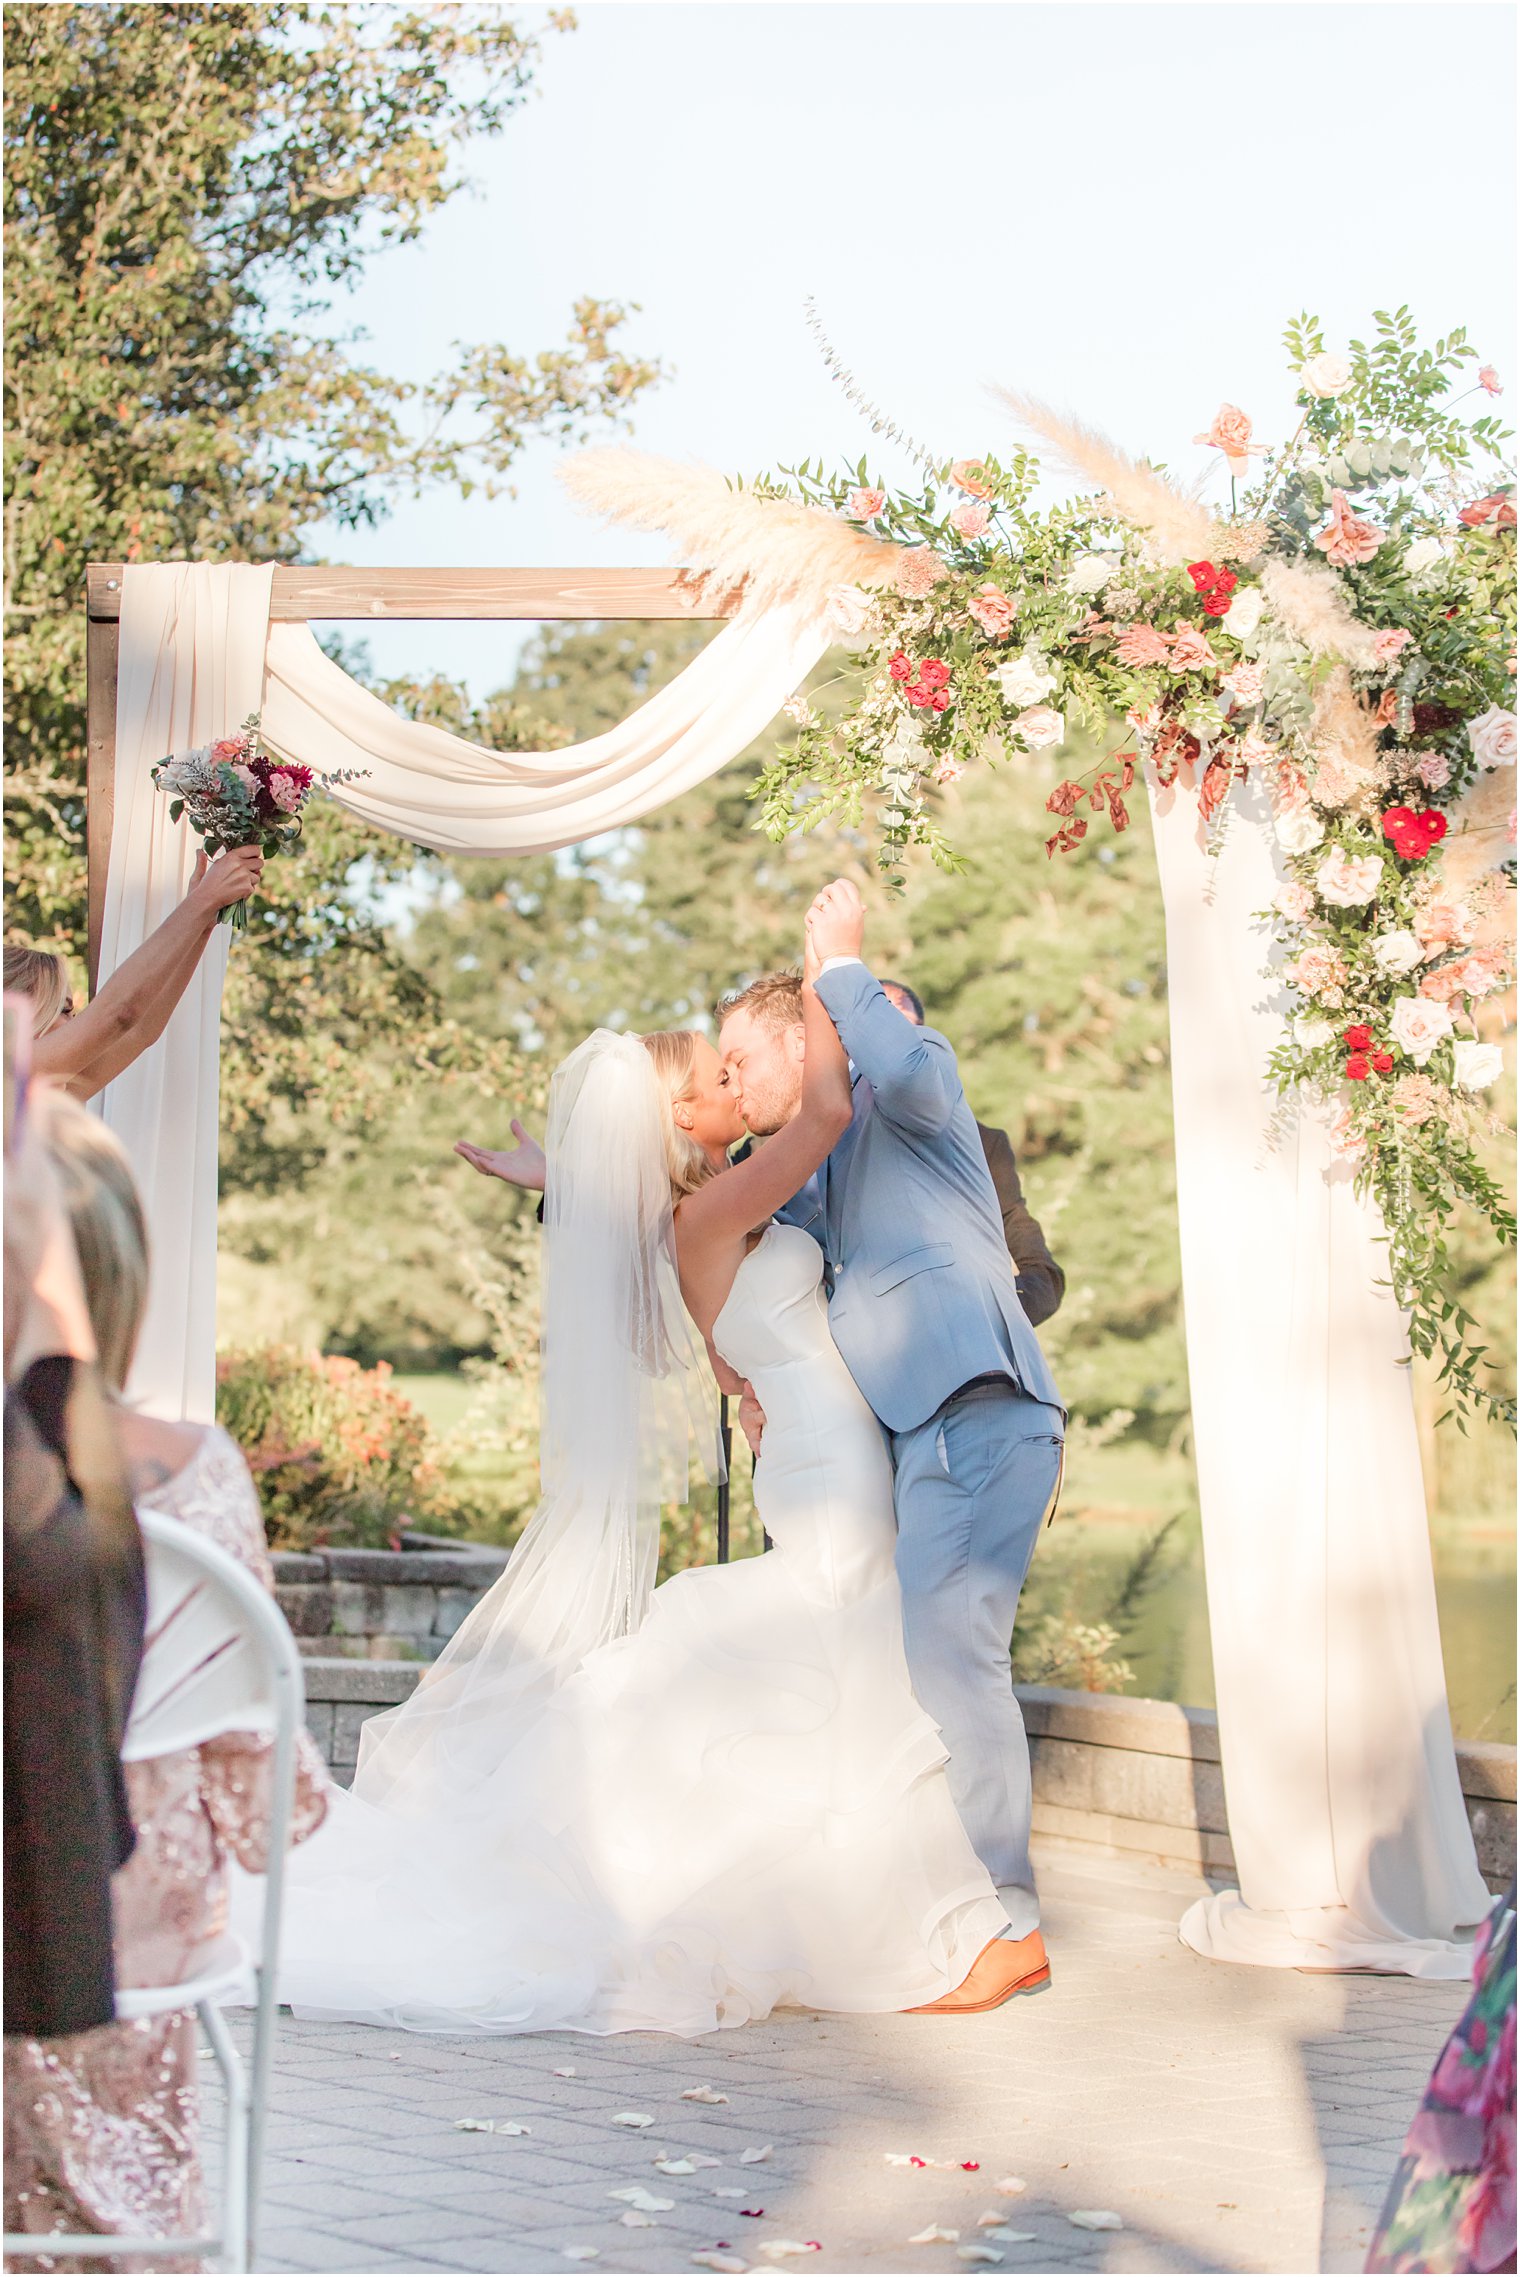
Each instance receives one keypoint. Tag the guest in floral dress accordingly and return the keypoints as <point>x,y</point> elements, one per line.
<point>102,2127</point>
<point>1451,2205</point>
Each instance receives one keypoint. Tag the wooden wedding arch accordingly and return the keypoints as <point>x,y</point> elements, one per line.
<point>361,596</point>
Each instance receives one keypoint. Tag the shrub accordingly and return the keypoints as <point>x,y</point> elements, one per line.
<point>340,1458</point>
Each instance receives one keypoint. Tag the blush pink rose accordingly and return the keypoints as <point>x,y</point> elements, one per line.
<point>1293,901</point>
<point>1488,379</point>
<point>865,505</point>
<point>1442,925</point>
<point>1139,645</point>
<point>1417,1026</point>
<point>992,610</point>
<point>230,749</point>
<point>1190,651</point>
<point>1389,644</point>
<point>248,779</point>
<point>1244,683</point>
<point>971,521</point>
<point>1434,770</point>
<point>284,790</point>
<point>1231,433</point>
<point>1347,541</point>
<point>1317,970</point>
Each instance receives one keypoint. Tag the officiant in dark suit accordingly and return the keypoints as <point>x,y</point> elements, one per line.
<point>1039,1279</point>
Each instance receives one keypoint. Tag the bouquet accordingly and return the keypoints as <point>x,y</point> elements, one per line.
<point>235,794</point>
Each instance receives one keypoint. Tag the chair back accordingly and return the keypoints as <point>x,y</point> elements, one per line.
<point>218,1654</point>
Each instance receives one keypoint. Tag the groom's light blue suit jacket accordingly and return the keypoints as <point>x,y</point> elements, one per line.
<point>922,1297</point>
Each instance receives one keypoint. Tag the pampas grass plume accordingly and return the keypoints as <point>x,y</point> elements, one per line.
<point>776,549</point>
<point>1179,527</point>
<point>1309,603</point>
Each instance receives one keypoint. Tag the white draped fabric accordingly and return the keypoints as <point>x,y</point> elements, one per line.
<point>192,668</point>
<point>1345,1811</point>
<point>1346,1815</point>
<point>198,654</point>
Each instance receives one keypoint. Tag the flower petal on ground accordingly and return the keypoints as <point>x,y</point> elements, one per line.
<point>510,2127</point>
<point>1011,2237</point>
<point>934,2235</point>
<point>1010,2187</point>
<point>1095,2218</point>
<point>781,2248</point>
<point>728,2263</point>
<point>702,2094</point>
<point>644,2199</point>
<point>564,2071</point>
<point>720,2192</point>
<point>675,2166</point>
<point>978,2253</point>
<point>475,2126</point>
<point>632,2119</point>
<point>578,2253</point>
<point>756,2157</point>
<point>634,2220</point>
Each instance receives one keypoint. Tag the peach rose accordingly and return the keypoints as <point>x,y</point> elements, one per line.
<point>1488,380</point>
<point>1231,433</point>
<point>992,610</point>
<point>1442,925</point>
<point>1139,645</point>
<point>1347,541</point>
<point>865,505</point>
<point>970,475</point>
<point>971,521</point>
<point>1190,651</point>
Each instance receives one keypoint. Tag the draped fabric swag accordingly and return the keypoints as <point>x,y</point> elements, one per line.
<point>1345,1811</point>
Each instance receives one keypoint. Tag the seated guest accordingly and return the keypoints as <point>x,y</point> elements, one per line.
<point>1040,1281</point>
<point>102,2126</point>
<point>83,1051</point>
<point>74,1610</point>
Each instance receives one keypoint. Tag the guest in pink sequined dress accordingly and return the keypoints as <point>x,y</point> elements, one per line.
<point>102,2127</point>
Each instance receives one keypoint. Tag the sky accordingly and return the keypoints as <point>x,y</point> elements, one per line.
<point>1115,207</point>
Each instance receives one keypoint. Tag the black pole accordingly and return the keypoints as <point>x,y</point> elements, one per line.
<point>726,1441</point>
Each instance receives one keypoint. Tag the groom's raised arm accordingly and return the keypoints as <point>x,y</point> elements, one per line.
<point>911,1071</point>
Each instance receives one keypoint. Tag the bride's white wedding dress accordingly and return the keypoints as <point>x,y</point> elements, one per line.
<point>738,1805</point>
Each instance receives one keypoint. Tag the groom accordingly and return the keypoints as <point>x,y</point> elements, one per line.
<point>923,1309</point>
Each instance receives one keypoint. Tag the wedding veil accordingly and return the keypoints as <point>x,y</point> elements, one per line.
<point>626,1393</point>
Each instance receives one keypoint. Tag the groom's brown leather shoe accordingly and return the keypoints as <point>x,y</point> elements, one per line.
<point>1000,1971</point>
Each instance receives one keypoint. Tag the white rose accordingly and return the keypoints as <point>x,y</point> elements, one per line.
<point>1041,727</point>
<point>848,612</point>
<point>1311,1034</point>
<point>1418,1025</point>
<point>1348,882</point>
<point>1477,1065</point>
<point>1025,679</point>
<point>1298,830</point>
<point>1423,554</point>
<point>1493,738</point>
<point>1089,573</point>
<point>1397,953</point>
<point>1326,375</point>
<point>1243,615</point>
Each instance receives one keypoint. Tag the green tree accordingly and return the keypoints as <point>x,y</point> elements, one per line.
<point>187,190</point>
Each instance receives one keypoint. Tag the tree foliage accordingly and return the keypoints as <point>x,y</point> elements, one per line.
<point>187,191</point>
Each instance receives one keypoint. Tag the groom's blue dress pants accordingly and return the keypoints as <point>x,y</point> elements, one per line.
<point>973,1487</point>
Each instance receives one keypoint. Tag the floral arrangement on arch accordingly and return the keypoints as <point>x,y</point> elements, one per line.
<point>1343,634</point>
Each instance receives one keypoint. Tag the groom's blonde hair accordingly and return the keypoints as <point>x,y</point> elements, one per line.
<point>673,1051</point>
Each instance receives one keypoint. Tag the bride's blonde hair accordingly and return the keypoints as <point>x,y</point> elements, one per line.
<point>673,1051</point>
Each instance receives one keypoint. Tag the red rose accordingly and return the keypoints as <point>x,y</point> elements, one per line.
<point>1217,602</point>
<point>919,696</point>
<point>1433,824</point>
<point>900,668</point>
<point>1204,575</point>
<point>1357,1068</point>
<point>1359,1039</point>
<point>1396,821</point>
<point>940,700</point>
<point>1382,1063</point>
<point>934,672</point>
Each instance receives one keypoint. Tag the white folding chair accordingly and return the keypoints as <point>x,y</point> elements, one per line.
<point>218,1657</point>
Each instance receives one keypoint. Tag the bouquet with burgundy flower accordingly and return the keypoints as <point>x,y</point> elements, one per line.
<point>235,794</point>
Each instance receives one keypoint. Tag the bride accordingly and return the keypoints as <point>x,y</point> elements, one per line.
<point>610,1807</point>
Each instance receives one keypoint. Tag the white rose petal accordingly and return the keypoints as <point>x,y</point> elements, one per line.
<point>1041,727</point>
<point>755,2157</point>
<point>702,2094</point>
<point>644,2200</point>
<point>978,2253</point>
<point>1095,2218</point>
<point>1010,2187</point>
<point>1397,953</point>
<point>1477,1065</point>
<point>1349,881</point>
<point>1417,1025</point>
<point>1243,615</point>
<point>728,2263</point>
<point>1423,554</point>
<point>1311,1034</point>
<point>1298,830</point>
<point>934,2235</point>
<point>1013,2237</point>
<point>1493,738</point>
<point>634,2220</point>
<point>1025,679</point>
<point>1089,573</point>
<point>632,2119</point>
<point>1325,375</point>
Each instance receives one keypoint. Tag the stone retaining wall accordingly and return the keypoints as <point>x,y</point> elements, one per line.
<point>1129,1778</point>
<point>395,1605</point>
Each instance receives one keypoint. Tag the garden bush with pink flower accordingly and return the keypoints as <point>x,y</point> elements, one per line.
<point>340,1458</point>
<point>1340,637</point>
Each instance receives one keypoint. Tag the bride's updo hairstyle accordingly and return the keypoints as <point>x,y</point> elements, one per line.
<point>673,1051</point>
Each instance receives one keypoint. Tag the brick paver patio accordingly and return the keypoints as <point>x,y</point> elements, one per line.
<point>1235,2119</point>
